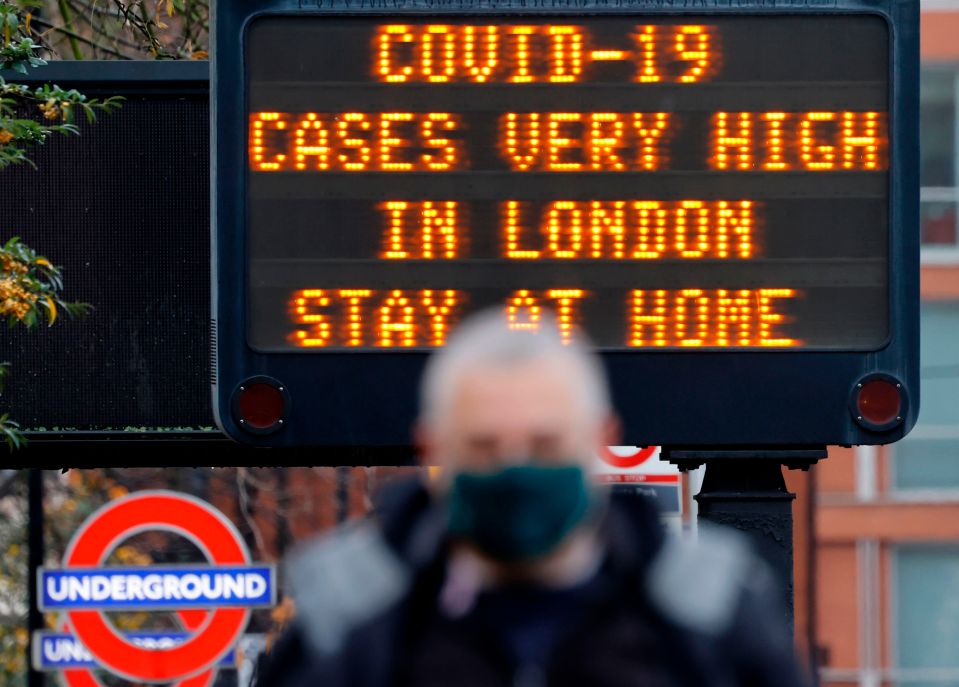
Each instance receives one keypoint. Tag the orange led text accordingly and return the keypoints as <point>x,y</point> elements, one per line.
<point>800,141</point>
<point>585,141</point>
<point>355,142</point>
<point>364,317</point>
<point>425,230</point>
<point>542,53</point>
<point>718,318</point>
<point>524,309</point>
<point>631,230</point>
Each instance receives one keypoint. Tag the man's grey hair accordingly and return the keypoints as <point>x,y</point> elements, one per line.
<point>486,339</point>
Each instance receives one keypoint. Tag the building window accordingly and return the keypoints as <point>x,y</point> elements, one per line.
<point>939,196</point>
<point>925,580</point>
<point>928,458</point>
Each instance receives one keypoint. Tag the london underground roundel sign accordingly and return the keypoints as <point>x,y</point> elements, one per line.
<point>626,457</point>
<point>212,601</point>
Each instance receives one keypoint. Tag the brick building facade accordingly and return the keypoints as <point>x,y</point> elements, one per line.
<point>877,565</point>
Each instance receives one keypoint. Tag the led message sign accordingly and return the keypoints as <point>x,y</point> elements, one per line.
<point>696,182</point>
<point>723,198</point>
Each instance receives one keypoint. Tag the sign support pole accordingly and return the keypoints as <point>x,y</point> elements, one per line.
<point>35,561</point>
<point>751,496</point>
<point>745,489</point>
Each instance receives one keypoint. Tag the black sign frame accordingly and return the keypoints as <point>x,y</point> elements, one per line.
<point>706,399</point>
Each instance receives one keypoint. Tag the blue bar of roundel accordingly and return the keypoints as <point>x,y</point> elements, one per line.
<point>158,587</point>
<point>61,651</point>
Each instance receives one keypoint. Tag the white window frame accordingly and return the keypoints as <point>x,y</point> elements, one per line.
<point>903,677</point>
<point>932,254</point>
<point>939,5</point>
<point>921,431</point>
<point>920,494</point>
<point>942,254</point>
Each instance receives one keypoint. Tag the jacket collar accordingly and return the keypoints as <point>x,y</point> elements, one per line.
<point>413,525</point>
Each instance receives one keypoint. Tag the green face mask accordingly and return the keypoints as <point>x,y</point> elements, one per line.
<point>519,512</point>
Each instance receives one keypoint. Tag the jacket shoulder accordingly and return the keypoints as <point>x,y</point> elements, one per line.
<point>701,583</point>
<point>342,581</point>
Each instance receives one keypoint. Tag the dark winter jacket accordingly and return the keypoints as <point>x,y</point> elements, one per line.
<point>666,611</point>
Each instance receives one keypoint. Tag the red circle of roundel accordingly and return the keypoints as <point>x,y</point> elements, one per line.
<point>84,677</point>
<point>190,518</point>
<point>632,460</point>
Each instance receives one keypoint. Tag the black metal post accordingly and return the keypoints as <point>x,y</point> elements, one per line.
<point>811,560</point>
<point>281,518</point>
<point>34,561</point>
<point>342,493</point>
<point>750,495</point>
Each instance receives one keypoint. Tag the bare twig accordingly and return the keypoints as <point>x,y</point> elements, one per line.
<point>82,39</point>
<point>242,477</point>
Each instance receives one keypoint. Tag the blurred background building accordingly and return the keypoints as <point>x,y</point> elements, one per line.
<point>877,574</point>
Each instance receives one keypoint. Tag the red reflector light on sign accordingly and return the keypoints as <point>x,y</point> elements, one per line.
<point>879,402</point>
<point>260,405</point>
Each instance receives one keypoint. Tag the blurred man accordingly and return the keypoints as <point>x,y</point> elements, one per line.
<point>512,567</point>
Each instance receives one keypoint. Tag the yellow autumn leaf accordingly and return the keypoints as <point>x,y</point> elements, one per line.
<point>53,309</point>
<point>43,262</point>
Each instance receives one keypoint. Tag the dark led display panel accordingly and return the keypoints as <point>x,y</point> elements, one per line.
<point>661,183</point>
<point>139,361</point>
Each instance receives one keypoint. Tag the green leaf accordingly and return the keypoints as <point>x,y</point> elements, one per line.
<point>10,431</point>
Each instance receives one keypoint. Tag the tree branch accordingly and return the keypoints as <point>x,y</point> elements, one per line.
<point>69,29</point>
<point>82,39</point>
<point>241,478</point>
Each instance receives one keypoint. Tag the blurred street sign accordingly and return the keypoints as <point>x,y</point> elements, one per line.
<point>62,651</point>
<point>640,470</point>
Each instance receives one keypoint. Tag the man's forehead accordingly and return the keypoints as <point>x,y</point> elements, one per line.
<point>551,379</point>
